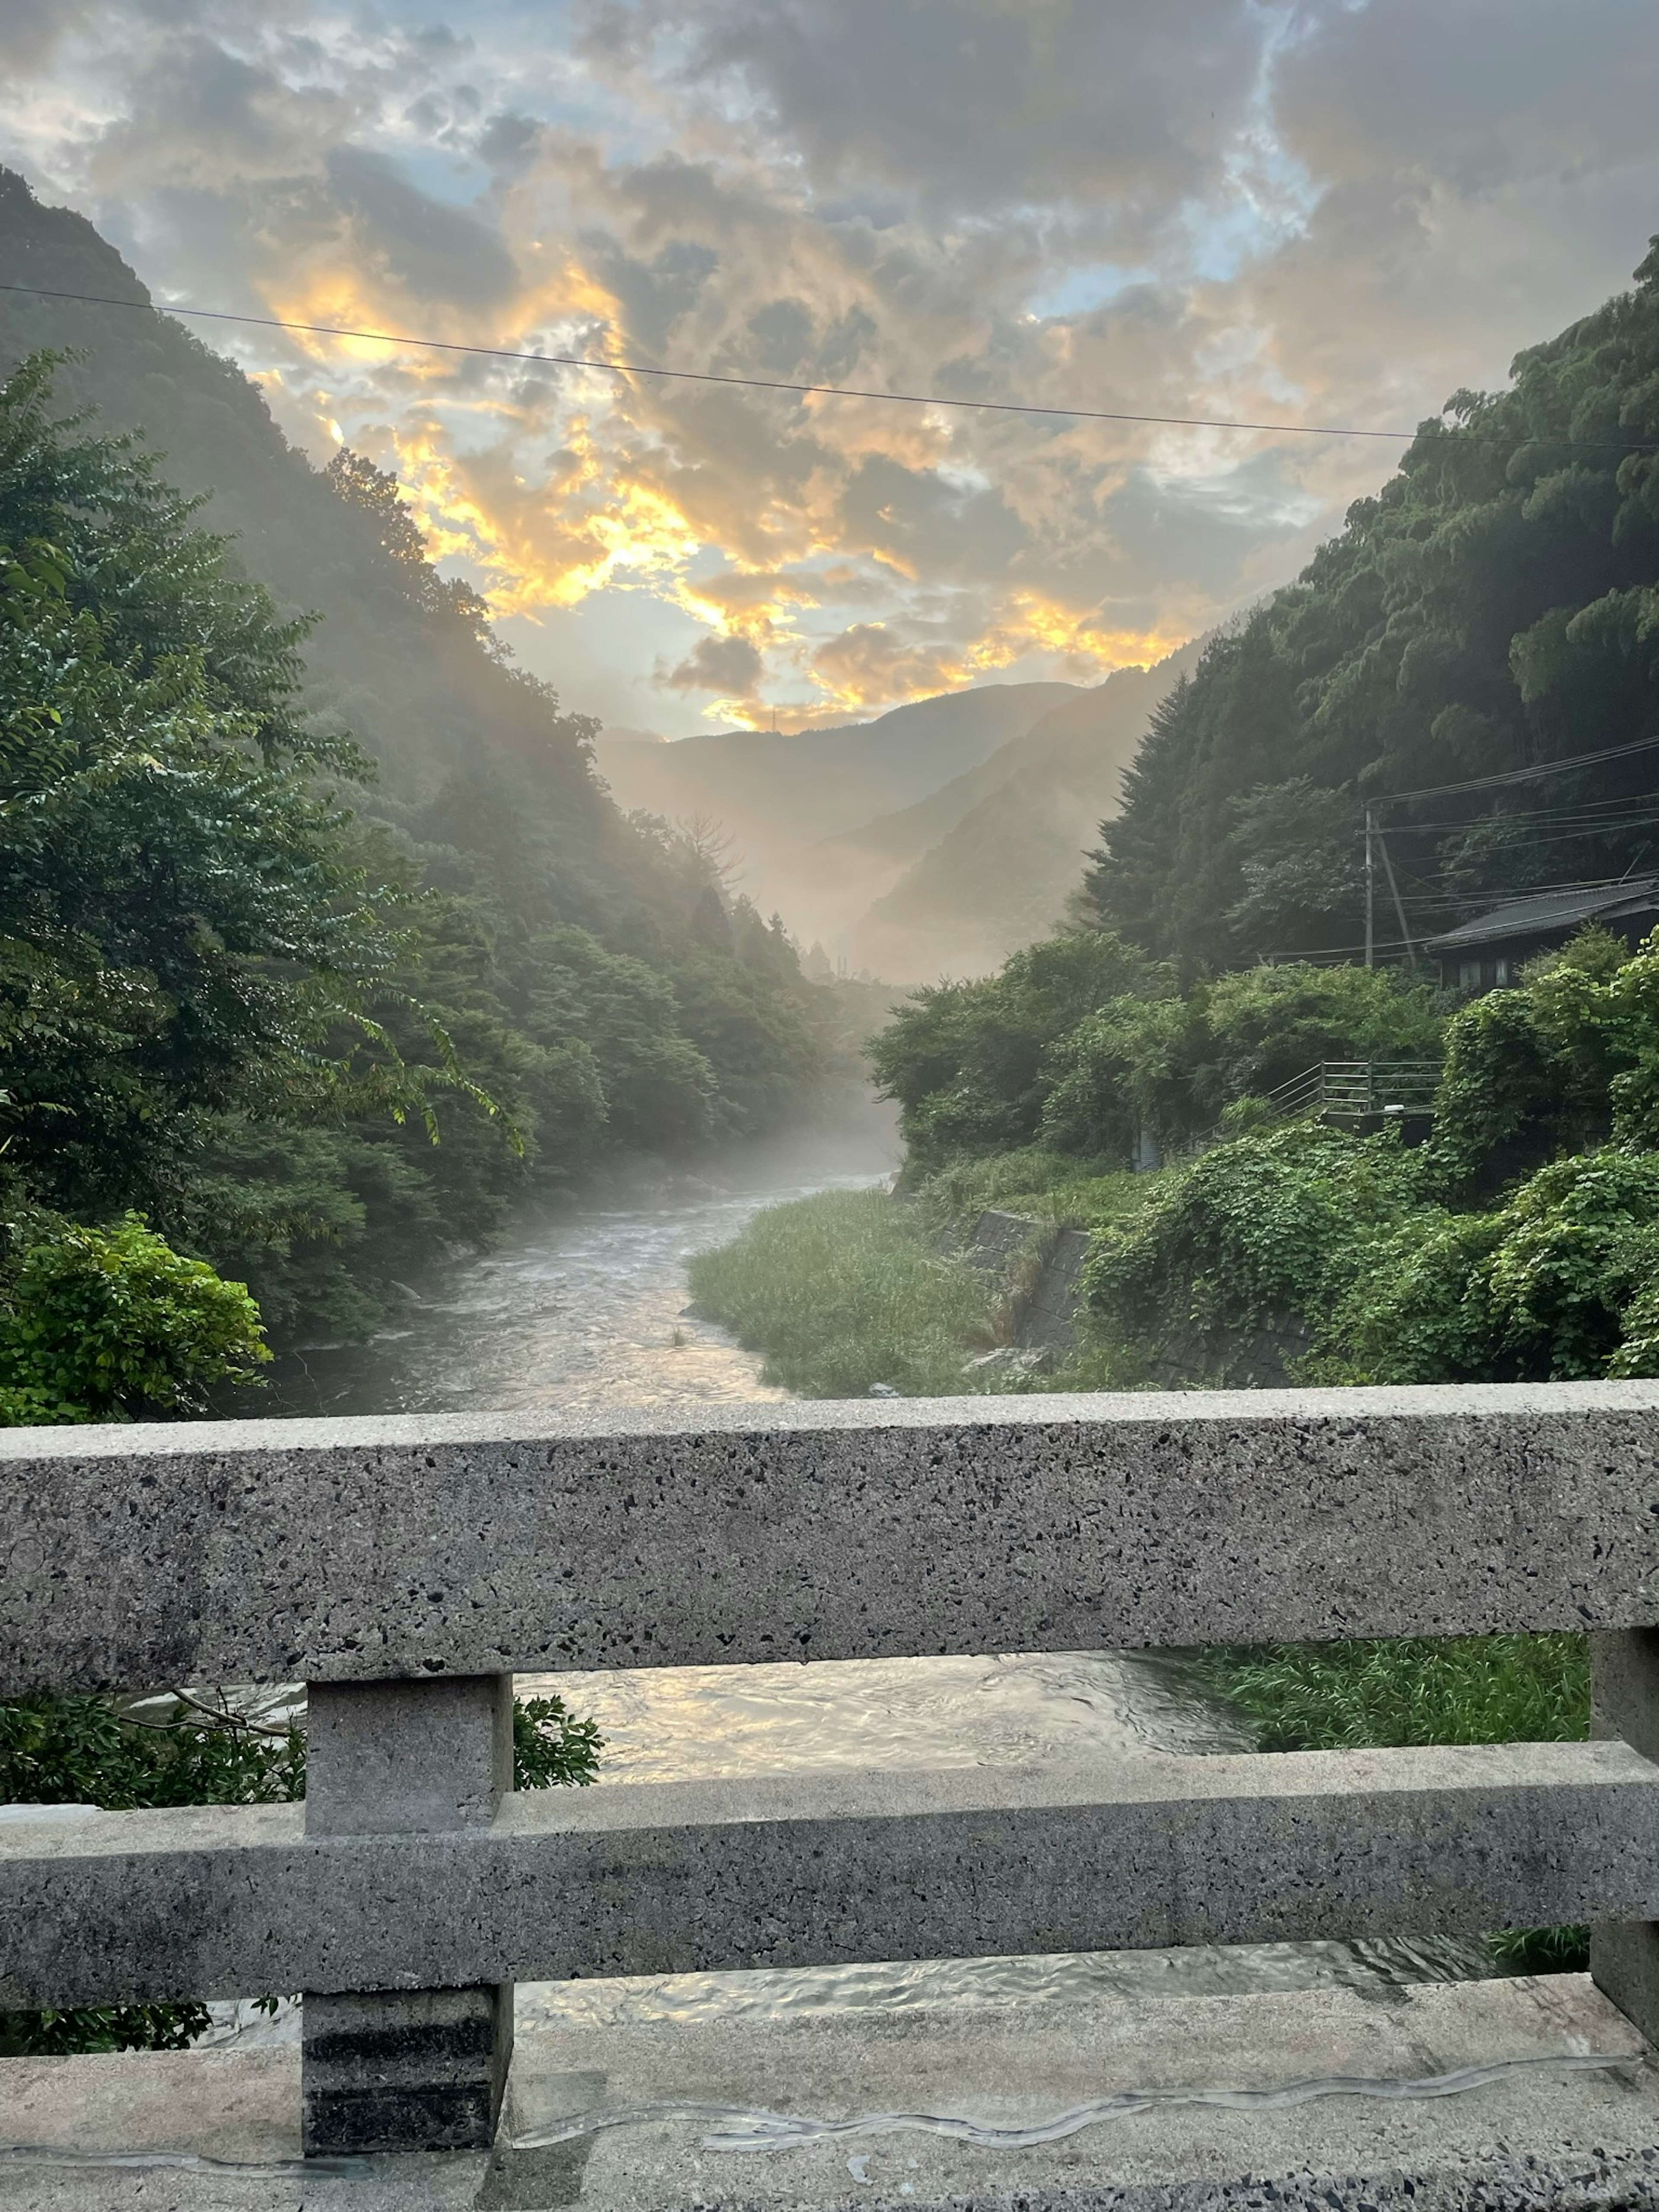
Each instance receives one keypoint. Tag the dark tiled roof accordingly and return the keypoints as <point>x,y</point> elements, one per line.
<point>1547,912</point>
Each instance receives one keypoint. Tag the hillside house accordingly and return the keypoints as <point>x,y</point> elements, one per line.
<point>1487,953</point>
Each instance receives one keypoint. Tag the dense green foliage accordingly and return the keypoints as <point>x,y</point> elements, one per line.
<point>1495,606</point>
<point>1416,1690</point>
<point>97,1751</point>
<point>1521,1243</point>
<point>313,1045</point>
<point>840,1294</point>
<point>98,1325</point>
<point>1081,1044</point>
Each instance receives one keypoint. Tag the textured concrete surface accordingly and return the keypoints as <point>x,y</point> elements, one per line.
<point>209,2132</point>
<point>351,1550</point>
<point>1625,1705</point>
<point>404,2070</point>
<point>1533,2131</point>
<point>388,1758</point>
<point>835,1866</point>
<point>410,2070</point>
<point>1050,1322</point>
<point>998,1239</point>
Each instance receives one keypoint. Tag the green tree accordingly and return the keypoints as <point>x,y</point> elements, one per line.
<point>968,1061</point>
<point>1495,606</point>
<point>182,927</point>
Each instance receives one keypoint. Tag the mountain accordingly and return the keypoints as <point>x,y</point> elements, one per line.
<point>421,697</point>
<point>1475,659</point>
<point>776,793</point>
<point>600,988</point>
<point>985,863</point>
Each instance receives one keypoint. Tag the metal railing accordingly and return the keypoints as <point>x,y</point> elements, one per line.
<point>1335,1090</point>
<point>1347,1089</point>
<point>405,1569</point>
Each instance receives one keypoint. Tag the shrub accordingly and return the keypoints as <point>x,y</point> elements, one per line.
<point>109,1324</point>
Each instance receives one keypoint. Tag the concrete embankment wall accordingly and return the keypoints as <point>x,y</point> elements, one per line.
<point>1040,1268</point>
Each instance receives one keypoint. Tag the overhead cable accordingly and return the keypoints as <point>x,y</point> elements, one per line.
<point>626,368</point>
<point>1515,775</point>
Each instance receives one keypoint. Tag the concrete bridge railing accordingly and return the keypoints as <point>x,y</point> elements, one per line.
<point>405,1569</point>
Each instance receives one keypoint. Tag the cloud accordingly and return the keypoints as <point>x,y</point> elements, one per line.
<point>1336,212</point>
<point>975,105</point>
<point>727,664</point>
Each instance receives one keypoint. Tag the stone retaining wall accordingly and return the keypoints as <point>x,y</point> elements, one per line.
<point>1041,1269</point>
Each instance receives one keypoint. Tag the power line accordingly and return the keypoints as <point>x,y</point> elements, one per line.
<point>1591,814</point>
<point>625,368</point>
<point>1517,775</point>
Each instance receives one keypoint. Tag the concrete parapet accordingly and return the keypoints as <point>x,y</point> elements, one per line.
<point>1625,1704</point>
<point>835,1868</point>
<point>430,1546</point>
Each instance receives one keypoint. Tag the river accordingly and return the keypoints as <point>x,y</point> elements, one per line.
<point>585,1310</point>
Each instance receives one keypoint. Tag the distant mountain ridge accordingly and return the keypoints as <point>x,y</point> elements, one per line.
<point>777,794</point>
<point>1004,843</point>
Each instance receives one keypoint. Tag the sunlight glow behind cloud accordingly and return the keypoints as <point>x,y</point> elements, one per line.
<point>1336,211</point>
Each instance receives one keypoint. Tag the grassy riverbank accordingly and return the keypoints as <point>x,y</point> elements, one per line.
<point>1427,1690</point>
<point>849,1289</point>
<point>838,1294</point>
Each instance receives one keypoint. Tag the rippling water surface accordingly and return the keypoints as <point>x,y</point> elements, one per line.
<point>582,1309</point>
<point>585,1312</point>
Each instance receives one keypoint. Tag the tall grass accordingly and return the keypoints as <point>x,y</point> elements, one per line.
<point>838,1292</point>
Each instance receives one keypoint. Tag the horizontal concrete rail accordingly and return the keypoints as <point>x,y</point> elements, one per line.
<point>349,1550</point>
<point>828,1868</point>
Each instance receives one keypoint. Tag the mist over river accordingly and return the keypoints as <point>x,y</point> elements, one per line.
<point>585,1309</point>
<point>582,1309</point>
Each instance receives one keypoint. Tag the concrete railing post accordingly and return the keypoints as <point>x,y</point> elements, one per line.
<point>406,2069</point>
<point>1625,1702</point>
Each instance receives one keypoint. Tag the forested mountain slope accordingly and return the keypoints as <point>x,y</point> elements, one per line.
<point>1000,873</point>
<point>600,986</point>
<point>418,696</point>
<point>1494,608</point>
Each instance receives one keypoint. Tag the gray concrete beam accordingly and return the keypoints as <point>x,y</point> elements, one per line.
<point>834,1867</point>
<point>352,1550</point>
<point>1625,1704</point>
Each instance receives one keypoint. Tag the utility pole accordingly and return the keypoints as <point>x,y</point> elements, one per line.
<point>1399,904</point>
<point>1370,890</point>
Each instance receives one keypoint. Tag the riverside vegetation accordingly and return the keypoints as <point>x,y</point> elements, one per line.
<point>1497,606</point>
<point>1497,1250</point>
<point>210,1023</point>
<point>282,1017</point>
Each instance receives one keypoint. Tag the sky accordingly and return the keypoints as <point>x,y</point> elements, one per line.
<point>1337,212</point>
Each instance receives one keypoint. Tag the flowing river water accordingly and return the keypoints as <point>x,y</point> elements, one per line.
<point>585,1310</point>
